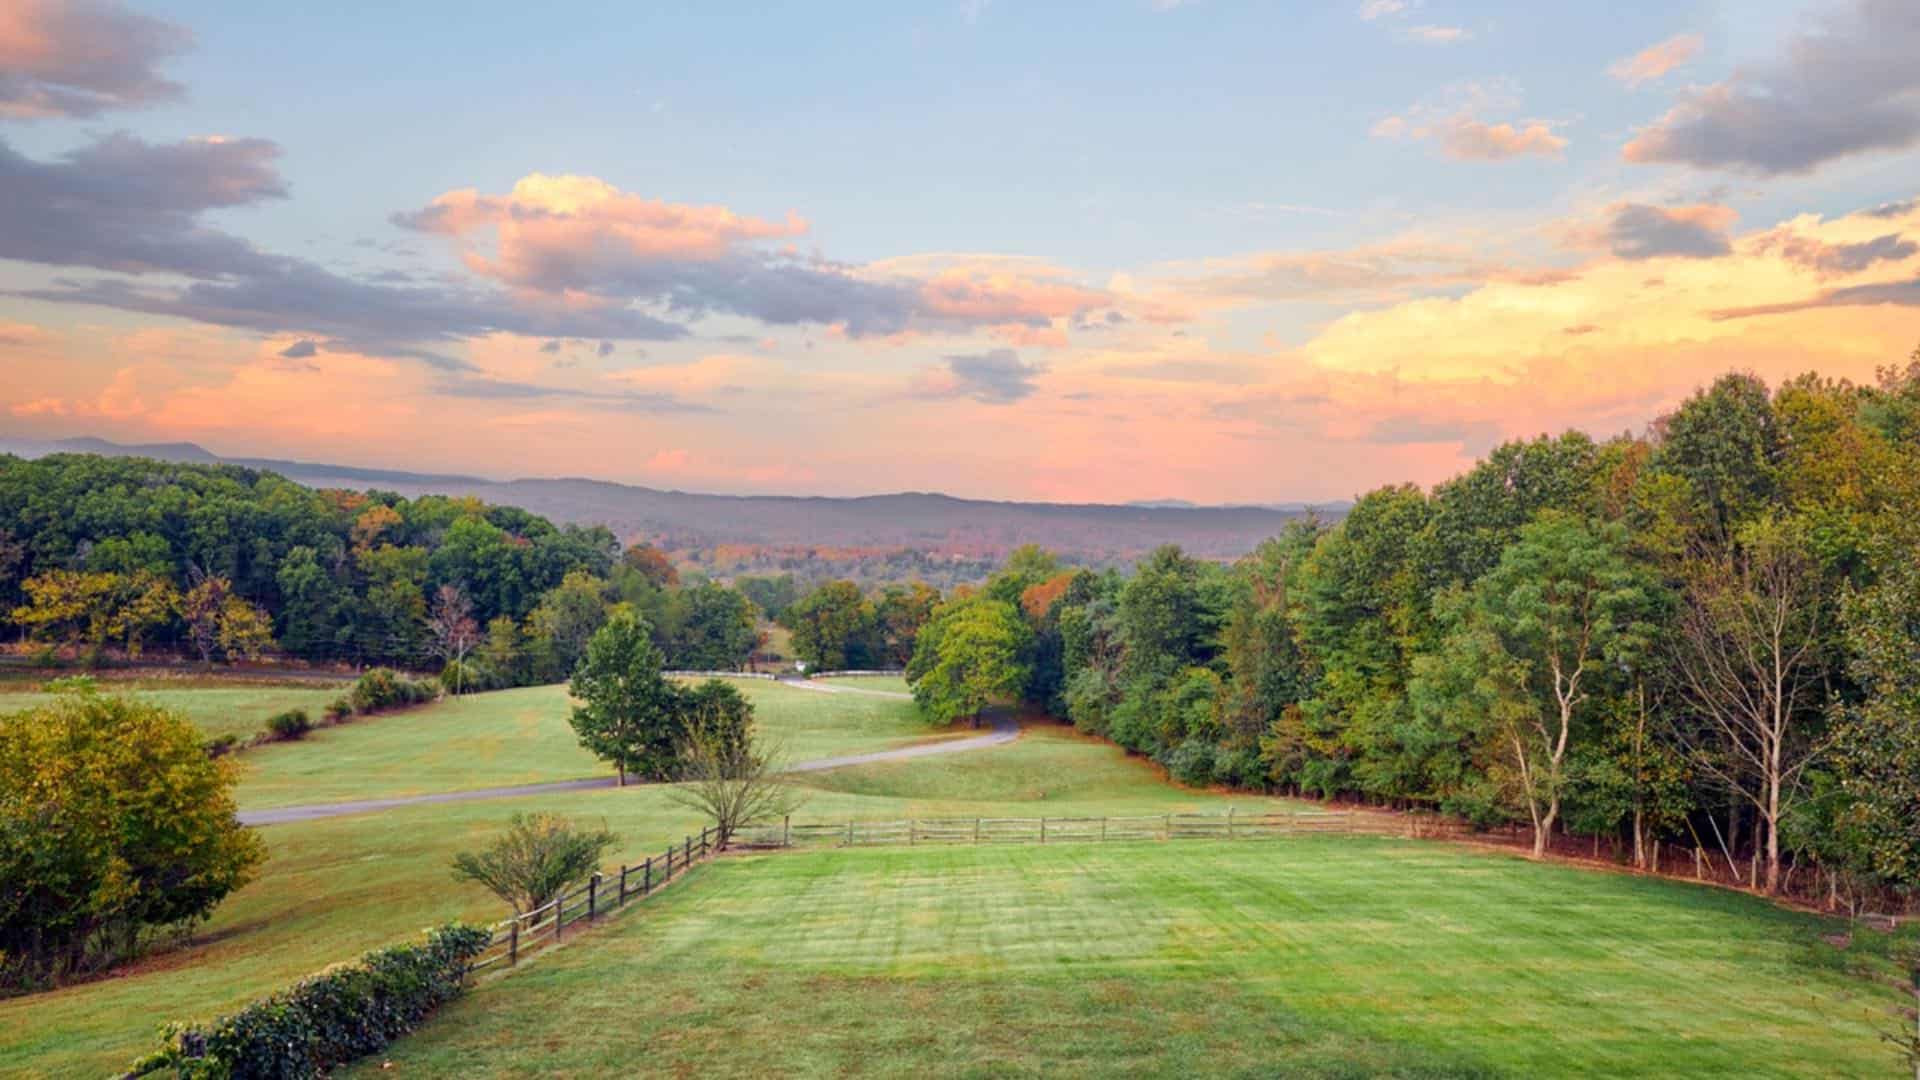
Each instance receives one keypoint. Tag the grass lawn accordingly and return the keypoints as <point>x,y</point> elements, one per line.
<point>522,737</point>
<point>892,684</point>
<point>335,888</point>
<point>1307,956</point>
<point>216,706</point>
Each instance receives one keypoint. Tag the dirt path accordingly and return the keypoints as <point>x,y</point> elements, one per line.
<point>1005,730</point>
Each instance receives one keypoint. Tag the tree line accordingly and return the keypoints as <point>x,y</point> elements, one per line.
<point>1707,634</point>
<point>221,562</point>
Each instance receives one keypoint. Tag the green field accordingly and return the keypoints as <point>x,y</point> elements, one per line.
<point>892,684</point>
<point>335,888</point>
<point>1324,956</point>
<point>522,737</point>
<point>1018,952</point>
<point>216,706</point>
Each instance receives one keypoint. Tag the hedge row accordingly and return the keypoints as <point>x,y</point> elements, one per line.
<point>327,1020</point>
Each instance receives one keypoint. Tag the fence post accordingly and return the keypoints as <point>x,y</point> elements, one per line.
<point>593,895</point>
<point>623,886</point>
<point>703,839</point>
<point>513,942</point>
<point>976,830</point>
<point>1103,830</point>
<point>849,832</point>
<point>646,877</point>
<point>1043,829</point>
<point>1229,822</point>
<point>559,915</point>
<point>687,856</point>
<point>912,826</point>
<point>786,830</point>
<point>1166,827</point>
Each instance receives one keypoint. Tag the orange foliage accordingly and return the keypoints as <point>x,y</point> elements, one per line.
<point>1037,600</point>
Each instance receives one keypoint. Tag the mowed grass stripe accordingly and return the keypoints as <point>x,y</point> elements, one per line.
<point>1318,956</point>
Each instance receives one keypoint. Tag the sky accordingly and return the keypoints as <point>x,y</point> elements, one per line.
<point>1084,252</point>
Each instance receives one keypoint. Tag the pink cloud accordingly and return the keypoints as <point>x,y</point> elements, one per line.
<point>1656,60</point>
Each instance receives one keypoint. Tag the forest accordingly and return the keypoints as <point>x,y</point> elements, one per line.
<point>1706,635</point>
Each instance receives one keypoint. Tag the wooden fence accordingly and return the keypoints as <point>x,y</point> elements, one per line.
<point>601,894</point>
<point>609,891</point>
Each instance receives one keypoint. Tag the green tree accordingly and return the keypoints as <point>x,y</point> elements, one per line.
<point>629,714</point>
<point>830,626</point>
<point>566,618</point>
<point>1539,636</point>
<point>1877,739</point>
<point>113,822</point>
<point>714,629</point>
<point>968,657</point>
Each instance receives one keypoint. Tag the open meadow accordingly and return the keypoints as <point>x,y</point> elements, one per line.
<point>509,737</point>
<point>217,705</point>
<point>1307,956</point>
<point>334,888</point>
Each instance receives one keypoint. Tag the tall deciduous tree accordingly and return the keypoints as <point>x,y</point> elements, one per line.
<point>628,713</point>
<point>830,625</point>
<point>1542,630</point>
<point>969,657</point>
<point>452,632</point>
<point>1748,660</point>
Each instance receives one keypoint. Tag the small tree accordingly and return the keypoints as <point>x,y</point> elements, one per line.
<point>539,857</point>
<point>731,779</point>
<point>629,714</point>
<point>114,822</point>
<point>451,630</point>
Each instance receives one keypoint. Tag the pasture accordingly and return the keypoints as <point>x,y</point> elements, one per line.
<point>334,888</point>
<point>1311,956</point>
<point>522,736</point>
<point>217,706</point>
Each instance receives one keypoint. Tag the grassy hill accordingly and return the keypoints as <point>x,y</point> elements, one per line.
<point>1293,957</point>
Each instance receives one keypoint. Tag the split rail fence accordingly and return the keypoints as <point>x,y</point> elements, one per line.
<point>608,892</point>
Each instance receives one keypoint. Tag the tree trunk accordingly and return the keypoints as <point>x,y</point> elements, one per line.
<point>623,775</point>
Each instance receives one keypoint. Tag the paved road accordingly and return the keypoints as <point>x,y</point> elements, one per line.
<point>1005,730</point>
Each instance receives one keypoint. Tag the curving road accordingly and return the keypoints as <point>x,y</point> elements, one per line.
<point>1005,730</point>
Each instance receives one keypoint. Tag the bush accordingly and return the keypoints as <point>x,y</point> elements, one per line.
<point>1191,762</point>
<point>466,677</point>
<point>385,688</point>
<point>292,724</point>
<point>220,745</point>
<point>141,836</point>
<point>329,1019</point>
<point>71,684</point>
<point>539,857</point>
<point>338,709</point>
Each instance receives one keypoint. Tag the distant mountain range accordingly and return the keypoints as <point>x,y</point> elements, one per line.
<point>684,520</point>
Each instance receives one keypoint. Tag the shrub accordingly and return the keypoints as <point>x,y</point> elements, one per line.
<point>466,677</point>
<point>385,688</point>
<point>539,857</point>
<point>292,724</point>
<point>220,745</point>
<point>1191,762</point>
<point>329,1019</point>
<point>140,837</point>
<point>338,709</point>
<point>71,684</point>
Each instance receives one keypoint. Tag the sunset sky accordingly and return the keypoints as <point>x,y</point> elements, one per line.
<point>1093,252</point>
